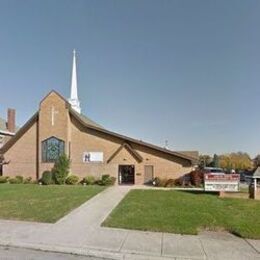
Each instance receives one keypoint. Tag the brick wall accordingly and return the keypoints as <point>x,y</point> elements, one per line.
<point>82,140</point>
<point>25,154</point>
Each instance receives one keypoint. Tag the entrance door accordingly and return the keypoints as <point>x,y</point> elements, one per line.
<point>148,174</point>
<point>126,174</point>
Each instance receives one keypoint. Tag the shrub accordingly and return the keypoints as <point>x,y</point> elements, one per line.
<point>72,180</point>
<point>61,169</point>
<point>158,182</point>
<point>170,183</point>
<point>196,178</point>
<point>47,178</point>
<point>163,182</point>
<point>178,182</point>
<point>3,179</point>
<point>107,180</point>
<point>112,180</point>
<point>14,181</point>
<point>28,180</point>
<point>19,178</point>
<point>89,180</point>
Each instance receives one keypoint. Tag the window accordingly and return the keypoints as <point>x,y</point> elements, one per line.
<point>52,148</point>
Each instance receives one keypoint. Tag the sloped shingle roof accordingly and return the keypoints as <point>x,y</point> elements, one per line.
<point>256,173</point>
<point>87,122</point>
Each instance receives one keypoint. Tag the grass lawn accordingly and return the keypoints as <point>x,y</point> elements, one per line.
<point>32,202</point>
<point>186,213</point>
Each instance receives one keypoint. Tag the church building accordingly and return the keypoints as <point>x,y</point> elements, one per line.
<point>59,127</point>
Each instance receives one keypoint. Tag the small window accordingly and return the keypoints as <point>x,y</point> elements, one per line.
<point>52,148</point>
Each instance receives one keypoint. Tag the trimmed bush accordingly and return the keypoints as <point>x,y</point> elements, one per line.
<point>158,182</point>
<point>89,180</point>
<point>28,180</point>
<point>47,178</point>
<point>72,180</point>
<point>112,180</point>
<point>14,181</point>
<point>3,179</point>
<point>61,169</point>
<point>19,178</point>
<point>107,180</point>
<point>170,183</point>
<point>196,178</point>
<point>178,182</point>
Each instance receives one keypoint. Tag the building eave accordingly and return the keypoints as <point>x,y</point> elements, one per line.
<point>6,133</point>
<point>126,138</point>
<point>20,133</point>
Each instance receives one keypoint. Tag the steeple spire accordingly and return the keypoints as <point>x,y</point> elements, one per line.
<point>74,101</point>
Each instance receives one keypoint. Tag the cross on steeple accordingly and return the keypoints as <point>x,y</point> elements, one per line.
<point>74,101</point>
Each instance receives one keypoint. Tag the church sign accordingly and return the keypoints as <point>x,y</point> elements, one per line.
<point>92,157</point>
<point>221,182</point>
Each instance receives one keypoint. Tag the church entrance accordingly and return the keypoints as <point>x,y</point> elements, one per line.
<point>126,174</point>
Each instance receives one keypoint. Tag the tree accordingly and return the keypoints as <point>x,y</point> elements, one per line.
<point>60,169</point>
<point>237,161</point>
<point>204,161</point>
<point>256,161</point>
<point>215,161</point>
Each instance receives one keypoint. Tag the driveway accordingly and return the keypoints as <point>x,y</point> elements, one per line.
<point>80,233</point>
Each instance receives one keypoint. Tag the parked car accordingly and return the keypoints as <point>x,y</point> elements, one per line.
<point>213,170</point>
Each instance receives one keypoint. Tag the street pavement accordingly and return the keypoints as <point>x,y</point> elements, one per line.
<point>7,253</point>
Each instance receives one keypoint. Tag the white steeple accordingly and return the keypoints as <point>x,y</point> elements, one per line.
<point>74,101</point>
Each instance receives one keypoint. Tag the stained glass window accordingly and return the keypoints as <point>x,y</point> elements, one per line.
<point>52,148</point>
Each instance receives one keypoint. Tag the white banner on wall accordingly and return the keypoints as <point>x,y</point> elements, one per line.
<point>92,157</point>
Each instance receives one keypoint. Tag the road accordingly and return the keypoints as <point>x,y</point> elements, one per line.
<point>7,253</point>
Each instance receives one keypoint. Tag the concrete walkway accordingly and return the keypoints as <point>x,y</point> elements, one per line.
<point>80,233</point>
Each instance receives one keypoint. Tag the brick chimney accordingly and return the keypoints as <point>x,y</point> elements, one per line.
<point>11,120</point>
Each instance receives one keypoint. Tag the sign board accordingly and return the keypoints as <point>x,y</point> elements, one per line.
<point>92,157</point>
<point>221,182</point>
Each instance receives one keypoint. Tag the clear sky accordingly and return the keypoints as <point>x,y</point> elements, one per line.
<point>185,71</point>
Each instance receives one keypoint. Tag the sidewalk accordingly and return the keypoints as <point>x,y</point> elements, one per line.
<point>80,233</point>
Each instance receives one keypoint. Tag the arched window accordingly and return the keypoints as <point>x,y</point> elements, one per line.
<point>52,148</point>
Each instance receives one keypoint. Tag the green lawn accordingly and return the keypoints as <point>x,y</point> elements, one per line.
<point>186,213</point>
<point>42,203</point>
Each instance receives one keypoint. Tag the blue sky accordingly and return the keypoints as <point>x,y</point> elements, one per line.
<point>185,71</point>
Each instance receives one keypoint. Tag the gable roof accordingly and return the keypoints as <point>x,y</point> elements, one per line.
<point>256,173</point>
<point>126,138</point>
<point>193,154</point>
<point>20,132</point>
<point>130,149</point>
<point>88,123</point>
<point>87,120</point>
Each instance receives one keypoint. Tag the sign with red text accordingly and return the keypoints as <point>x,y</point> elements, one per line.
<point>221,182</point>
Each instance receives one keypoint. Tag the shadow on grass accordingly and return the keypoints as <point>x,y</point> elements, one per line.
<point>198,192</point>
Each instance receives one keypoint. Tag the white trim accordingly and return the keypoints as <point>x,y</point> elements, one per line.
<point>6,132</point>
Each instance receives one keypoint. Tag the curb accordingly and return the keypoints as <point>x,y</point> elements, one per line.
<point>102,254</point>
